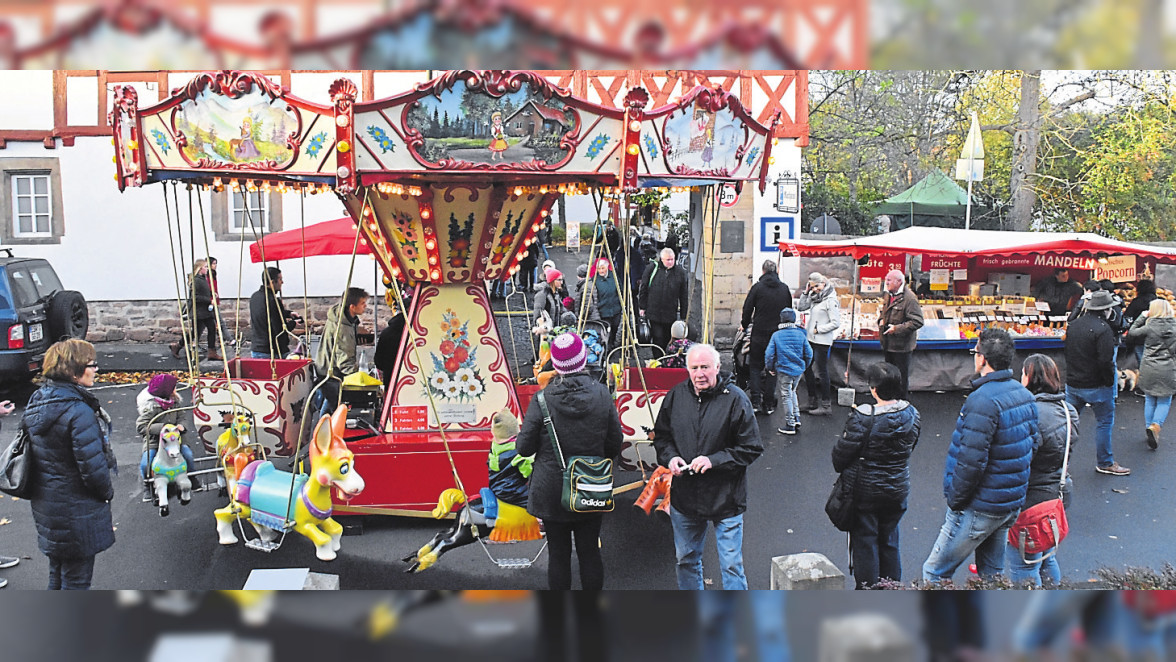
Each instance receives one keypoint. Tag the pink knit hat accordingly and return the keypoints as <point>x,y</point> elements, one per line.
<point>162,385</point>
<point>568,353</point>
<point>552,275</point>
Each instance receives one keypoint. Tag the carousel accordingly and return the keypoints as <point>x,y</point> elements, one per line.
<point>443,206</point>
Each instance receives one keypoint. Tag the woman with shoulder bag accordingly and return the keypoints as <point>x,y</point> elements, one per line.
<point>586,423</point>
<point>1155,331</point>
<point>72,486</point>
<point>1040,375</point>
<point>876,446</point>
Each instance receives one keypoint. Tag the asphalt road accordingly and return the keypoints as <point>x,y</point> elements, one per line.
<point>1115,521</point>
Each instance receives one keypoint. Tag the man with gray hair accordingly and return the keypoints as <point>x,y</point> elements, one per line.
<point>899,324</point>
<point>706,435</point>
<point>761,310</point>
<point>663,296</point>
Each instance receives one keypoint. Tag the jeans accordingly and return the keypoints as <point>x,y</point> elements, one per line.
<point>873,545</point>
<point>902,361</point>
<point>816,375</point>
<point>1138,355</point>
<point>1102,401</point>
<point>1155,409</point>
<point>786,397</point>
<point>716,611</point>
<point>259,355</point>
<point>1148,638</point>
<point>1048,615</point>
<point>70,574</point>
<point>1020,572</point>
<point>964,532</point>
<point>149,456</point>
<point>689,536</point>
<point>586,531</point>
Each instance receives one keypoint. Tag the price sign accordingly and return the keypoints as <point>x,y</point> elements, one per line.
<point>406,418</point>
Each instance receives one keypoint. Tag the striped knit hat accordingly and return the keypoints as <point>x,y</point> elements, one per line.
<point>568,353</point>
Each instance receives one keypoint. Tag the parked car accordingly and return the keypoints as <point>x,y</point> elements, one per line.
<point>35,311</point>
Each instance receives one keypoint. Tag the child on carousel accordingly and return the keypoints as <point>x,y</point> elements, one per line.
<point>157,406</point>
<point>676,351</point>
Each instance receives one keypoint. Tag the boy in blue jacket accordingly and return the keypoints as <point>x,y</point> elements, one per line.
<point>789,353</point>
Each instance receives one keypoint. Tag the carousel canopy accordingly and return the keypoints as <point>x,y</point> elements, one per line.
<point>947,242</point>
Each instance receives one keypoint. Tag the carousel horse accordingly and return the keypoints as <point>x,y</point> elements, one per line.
<point>234,451</point>
<point>494,517</point>
<point>264,495</point>
<point>168,467</point>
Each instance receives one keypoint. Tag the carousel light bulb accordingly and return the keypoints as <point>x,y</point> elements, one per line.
<point>425,213</point>
<point>435,274</point>
<point>634,126</point>
<point>543,212</point>
<point>342,120</point>
<point>518,191</point>
<point>395,272</point>
<point>633,149</point>
<point>771,160</point>
<point>344,146</point>
<point>430,244</point>
<point>543,190</point>
<point>134,144</point>
<point>529,241</point>
<point>514,270</point>
<point>433,260</point>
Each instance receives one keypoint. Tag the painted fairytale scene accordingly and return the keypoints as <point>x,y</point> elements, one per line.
<point>701,140</point>
<point>466,124</point>
<point>246,130</point>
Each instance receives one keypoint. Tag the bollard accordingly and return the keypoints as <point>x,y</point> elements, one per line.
<point>864,638</point>
<point>806,572</point>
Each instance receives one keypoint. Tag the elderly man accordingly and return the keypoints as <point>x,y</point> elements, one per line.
<point>899,324</point>
<point>706,435</point>
<point>664,294</point>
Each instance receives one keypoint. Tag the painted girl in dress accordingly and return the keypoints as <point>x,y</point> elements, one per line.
<point>245,149</point>
<point>498,142</point>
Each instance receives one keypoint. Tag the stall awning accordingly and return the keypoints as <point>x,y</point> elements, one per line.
<point>335,237</point>
<point>948,242</point>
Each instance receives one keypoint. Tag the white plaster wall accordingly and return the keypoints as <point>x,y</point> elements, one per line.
<point>27,102</point>
<point>786,155</point>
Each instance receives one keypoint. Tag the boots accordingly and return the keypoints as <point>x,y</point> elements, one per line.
<point>664,506</point>
<point>825,409</point>
<point>214,356</point>
<point>1153,436</point>
<point>810,405</point>
<point>658,485</point>
<point>175,349</point>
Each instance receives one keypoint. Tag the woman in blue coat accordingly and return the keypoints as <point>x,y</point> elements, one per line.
<point>72,484</point>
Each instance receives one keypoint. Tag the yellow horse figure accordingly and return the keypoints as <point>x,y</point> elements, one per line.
<point>234,450</point>
<point>264,495</point>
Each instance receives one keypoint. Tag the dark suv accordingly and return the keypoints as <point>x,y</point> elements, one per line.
<point>35,312</point>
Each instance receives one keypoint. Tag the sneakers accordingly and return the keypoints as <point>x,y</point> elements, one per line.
<point>1114,469</point>
<point>787,429</point>
<point>8,561</point>
<point>768,411</point>
<point>1153,436</point>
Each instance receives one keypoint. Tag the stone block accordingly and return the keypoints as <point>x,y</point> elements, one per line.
<point>806,571</point>
<point>320,581</point>
<point>115,334</point>
<point>864,638</point>
<point>140,335</point>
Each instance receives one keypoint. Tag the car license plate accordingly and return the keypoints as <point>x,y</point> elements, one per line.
<point>35,332</point>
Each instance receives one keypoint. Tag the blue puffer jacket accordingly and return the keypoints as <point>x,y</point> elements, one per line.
<point>988,461</point>
<point>789,351</point>
<point>72,484</point>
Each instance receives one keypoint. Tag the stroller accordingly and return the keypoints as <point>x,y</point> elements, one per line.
<point>740,357</point>
<point>595,337</point>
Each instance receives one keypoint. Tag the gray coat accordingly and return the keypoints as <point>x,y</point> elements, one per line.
<point>1157,371</point>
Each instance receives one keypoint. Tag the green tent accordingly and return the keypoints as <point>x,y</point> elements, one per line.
<point>935,201</point>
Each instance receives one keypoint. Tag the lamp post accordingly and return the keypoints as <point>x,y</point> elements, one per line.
<point>971,156</point>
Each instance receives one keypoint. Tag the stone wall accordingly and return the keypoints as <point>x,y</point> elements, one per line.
<point>159,321</point>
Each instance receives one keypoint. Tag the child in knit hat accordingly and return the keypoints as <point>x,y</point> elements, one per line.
<point>679,344</point>
<point>789,353</point>
<point>156,405</point>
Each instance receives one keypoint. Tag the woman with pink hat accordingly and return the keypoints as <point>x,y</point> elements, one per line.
<point>586,423</point>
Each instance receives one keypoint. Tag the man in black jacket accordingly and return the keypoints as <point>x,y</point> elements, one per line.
<point>268,313</point>
<point>1091,377</point>
<point>663,297</point>
<point>761,310</point>
<point>710,421</point>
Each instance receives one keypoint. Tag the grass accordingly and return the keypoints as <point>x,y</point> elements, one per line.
<point>469,143</point>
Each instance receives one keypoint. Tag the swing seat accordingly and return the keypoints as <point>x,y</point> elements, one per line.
<point>267,492</point>
<point>514,524</point>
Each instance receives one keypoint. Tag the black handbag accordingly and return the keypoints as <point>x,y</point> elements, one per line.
<point>840,506</point>
<point>587,479</point>
<point>16,466</point>
<point>644,333</point>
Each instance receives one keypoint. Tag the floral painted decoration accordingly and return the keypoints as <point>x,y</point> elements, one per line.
<point>382,140</point>
<point>651,147</point>
<point>751,154</point>
<point>315,145</point>
<point>510,230</point>
<point>455,375</point>
<point>405,234</point>
<point>161,140</point>
<point>459,241</point>
<point>597,145</point>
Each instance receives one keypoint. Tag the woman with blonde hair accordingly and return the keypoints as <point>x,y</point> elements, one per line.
<point>1155,329</point>
<point>72,485</point>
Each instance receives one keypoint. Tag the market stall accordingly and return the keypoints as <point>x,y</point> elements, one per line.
<point>975,279</point>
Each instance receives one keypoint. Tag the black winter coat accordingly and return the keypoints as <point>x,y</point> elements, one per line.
<point>664,294</point>
<point>201,290</point>
<point>720,424</point>
<point>761,308</point>
<point>1045,470</point>
<point>72,486</point>
<point>586,423</point>
<point>876,448</point>
<point>1090,352</point>
<point>277,319</point>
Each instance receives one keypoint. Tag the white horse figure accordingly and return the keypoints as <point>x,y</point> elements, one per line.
<point>168,467</point>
